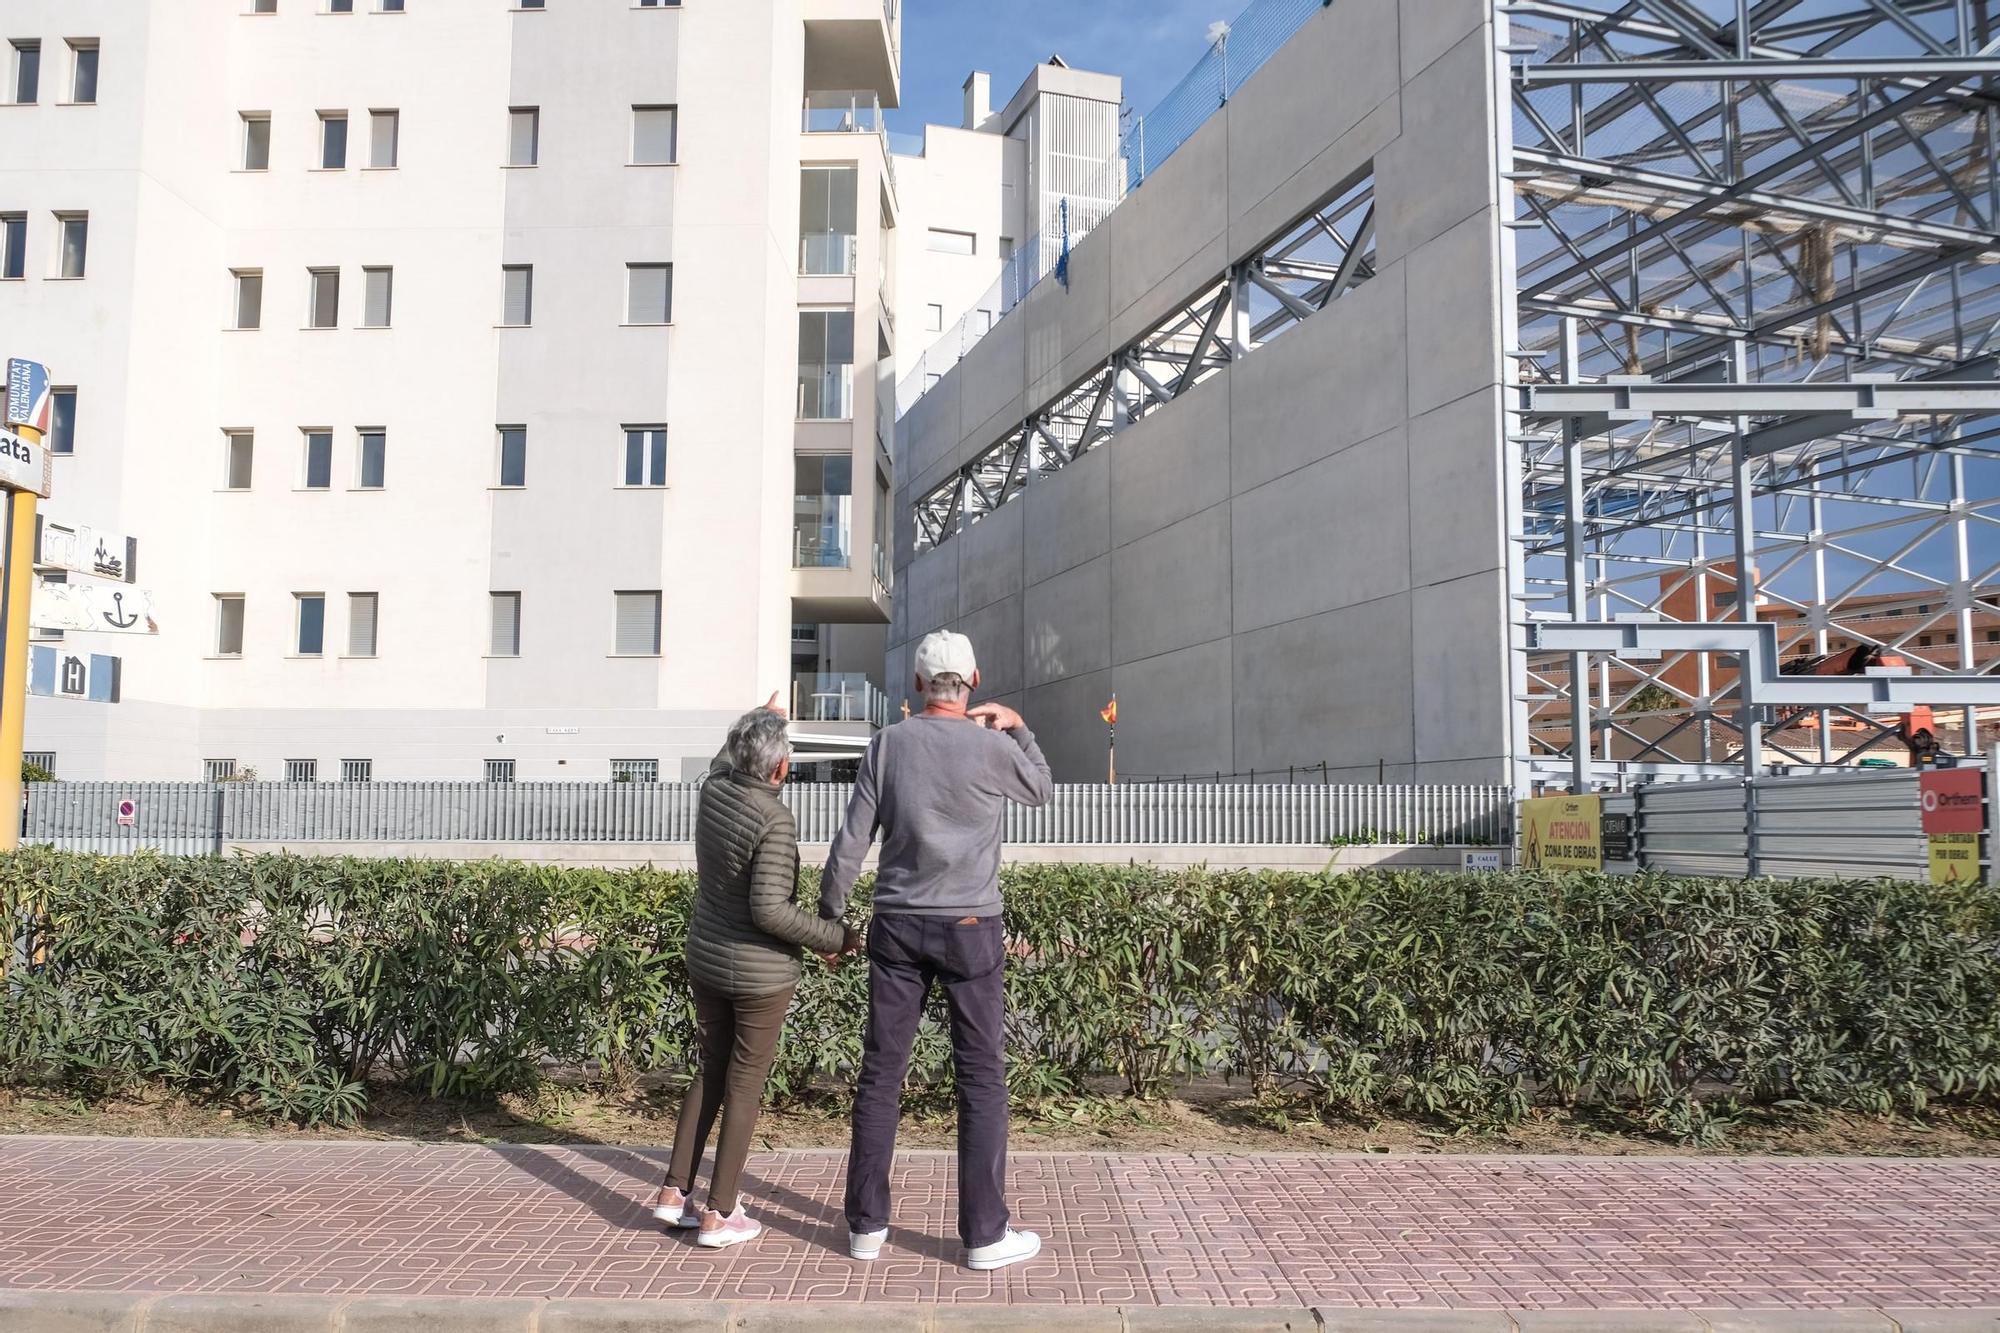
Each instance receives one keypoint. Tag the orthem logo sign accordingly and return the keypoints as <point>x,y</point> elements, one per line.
<point>1950,800</point>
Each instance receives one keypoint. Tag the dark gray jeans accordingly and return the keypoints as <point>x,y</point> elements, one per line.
<point>906,954</point>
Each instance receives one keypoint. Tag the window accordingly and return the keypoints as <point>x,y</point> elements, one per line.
<point>506,615</point>
<point>389,6</point>
<point>524,136</point>
<point>950,242</point>
<point>934,318</point>
<point>513,455</point>
<point>333,140</point>
<point>635,770</point>
<point>382,133</point>
<point>256,141</point>
<point>361,611</point>
<point>62,426</point>
<point>42,759</point>
<point>13,245</point>
<point>340,6</point>
<point>302,770</point>
<point>645,455</point>
<point>239,449</point>
<point>377,293</point>
<point>649,293</point>
<point>264,6</point>
<point>357,770</point>
<point>531,4</point>
<point>822,510</point>
<point>517,301</point>
<point>1923,641</point>
<point>249,284</point>
<point>659,4</point>
<point>74,229</point>
<point>319,460</point>
<point>826,365</point>
<point>637,631</point>
<point>218,770</point>
<point>654,131</point>
<point>27,72</point>
<point>324,298</point>
<point>82,72</point>
<point>311,638</point>
<point>372,463</point>
<point>499,770</point>
<point>228,624</point>
<point>1993,636</point>
<point>826,219</point>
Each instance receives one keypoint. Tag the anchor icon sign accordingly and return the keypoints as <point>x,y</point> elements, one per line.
<point>114,620</point>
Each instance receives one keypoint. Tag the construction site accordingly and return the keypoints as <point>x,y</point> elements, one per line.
<point>1566,394</point>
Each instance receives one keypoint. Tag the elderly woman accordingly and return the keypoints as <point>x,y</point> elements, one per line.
<point>743,961</point>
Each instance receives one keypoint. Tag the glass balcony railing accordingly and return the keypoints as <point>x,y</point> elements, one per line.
<point>819,548</point>
<point>829,253</point>
<point>838,697</point>
<point>843,111</point>
<point>826,392</point>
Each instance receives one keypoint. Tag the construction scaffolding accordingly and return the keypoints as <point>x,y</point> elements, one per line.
<point>1757,288</point>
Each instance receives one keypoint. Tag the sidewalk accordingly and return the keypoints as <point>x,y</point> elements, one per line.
<point>1768,1238</point>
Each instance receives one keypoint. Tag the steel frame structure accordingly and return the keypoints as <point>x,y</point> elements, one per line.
<point>1314,261</point>
<point>1757,305</point>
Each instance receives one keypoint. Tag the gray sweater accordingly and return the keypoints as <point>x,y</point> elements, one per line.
<point>937,787</point>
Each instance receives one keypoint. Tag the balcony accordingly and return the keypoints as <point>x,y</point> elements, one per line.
<point>839,697</point>
<point>854,44</point>
<point>844,111</point>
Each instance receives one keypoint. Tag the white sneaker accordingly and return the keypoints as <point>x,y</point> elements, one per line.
<point>865,1245</point>
<point>1011,1248</point>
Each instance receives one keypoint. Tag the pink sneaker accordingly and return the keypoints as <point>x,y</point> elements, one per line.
<point>719,1232</point>
<point>674,1208</point>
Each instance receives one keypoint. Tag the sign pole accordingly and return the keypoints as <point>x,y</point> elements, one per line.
<point>17,590</point>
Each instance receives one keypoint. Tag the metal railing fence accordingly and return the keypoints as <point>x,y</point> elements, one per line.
<point>195,818</point>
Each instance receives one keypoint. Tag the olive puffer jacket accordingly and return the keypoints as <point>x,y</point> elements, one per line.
<point>747,931</point>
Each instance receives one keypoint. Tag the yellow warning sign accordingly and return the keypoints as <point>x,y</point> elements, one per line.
<point>1562,833</point>
<point>1954,858</point>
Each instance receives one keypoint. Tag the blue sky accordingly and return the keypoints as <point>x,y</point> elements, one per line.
<point>1152,43</point>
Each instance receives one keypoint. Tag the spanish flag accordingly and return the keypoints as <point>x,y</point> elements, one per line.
<point>1110,712</point>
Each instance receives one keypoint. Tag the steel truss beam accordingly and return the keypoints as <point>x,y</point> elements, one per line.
<point>1321,256</point>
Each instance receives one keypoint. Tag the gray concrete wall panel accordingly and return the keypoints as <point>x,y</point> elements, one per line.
<point>1333,72</point>
<point>1458,504</point>
<point>1460,667</point>
<point>1329,535</point>
<point>1171,589</point>
<point>1335,687</point>
<point>1178,216</point>
<point>1063,716</point>
<point>989,565</point>
<point>931,585</point>
<point>930,431</point>
<point>993,384</point>
<point>1171,464</point>
<point>1454,315</point>
<point>1068,519</point>
<point>1341,162</point>
<point>1066,622</point>
<point>1174,712</point>
<point>1436,174</point>
<point>1335,380</point>
<point>1432,27</point>
<point>995,632</point>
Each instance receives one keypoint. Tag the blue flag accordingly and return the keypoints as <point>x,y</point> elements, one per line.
<point>1062,260</point>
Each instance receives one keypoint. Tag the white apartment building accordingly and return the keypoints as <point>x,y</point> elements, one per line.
<point>493,387</point>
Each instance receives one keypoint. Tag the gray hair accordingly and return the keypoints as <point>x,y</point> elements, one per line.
<point>947,687</point>
<point>758,743</point>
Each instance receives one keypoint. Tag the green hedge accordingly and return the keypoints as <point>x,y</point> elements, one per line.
<point>289,984</point>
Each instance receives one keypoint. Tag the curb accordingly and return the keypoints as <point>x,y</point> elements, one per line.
<point>122,1312</point>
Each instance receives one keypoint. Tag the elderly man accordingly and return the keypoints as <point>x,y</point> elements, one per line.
<point>937,786</point>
